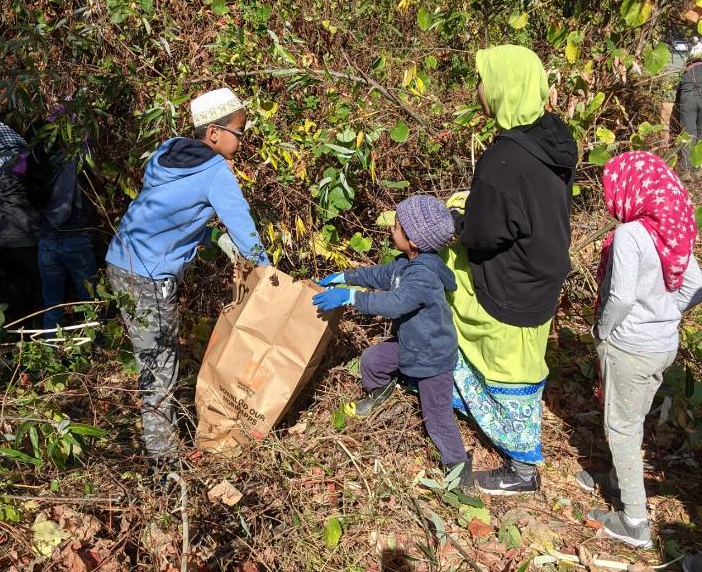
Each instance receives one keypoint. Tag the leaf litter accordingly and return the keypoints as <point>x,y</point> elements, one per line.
<point>300,501</point>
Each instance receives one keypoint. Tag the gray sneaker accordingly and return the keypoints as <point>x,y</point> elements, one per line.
<point>588,481</point>
<point>692,563</point>
<point>616,526</point>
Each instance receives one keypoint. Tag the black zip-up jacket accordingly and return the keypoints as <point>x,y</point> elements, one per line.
<point>517,221</point>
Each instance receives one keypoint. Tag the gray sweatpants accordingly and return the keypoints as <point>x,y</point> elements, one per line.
<point>154,334</point>
<point>630,384</point>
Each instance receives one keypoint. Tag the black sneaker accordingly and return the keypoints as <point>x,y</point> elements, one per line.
<point>465,477</point>
<point>505,481</point>
<point>364,407</point>
<point>588,481</point>
<point>616,525</point>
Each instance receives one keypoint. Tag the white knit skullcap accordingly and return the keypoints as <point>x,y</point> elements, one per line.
<point>214,105</point>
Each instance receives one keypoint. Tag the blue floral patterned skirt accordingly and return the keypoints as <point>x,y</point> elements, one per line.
<point>508,413</point>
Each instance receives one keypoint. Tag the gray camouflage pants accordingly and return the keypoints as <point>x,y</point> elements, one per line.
<point>154,334</point>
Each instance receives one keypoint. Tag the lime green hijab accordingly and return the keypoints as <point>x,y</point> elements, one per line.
<point>515,84</point>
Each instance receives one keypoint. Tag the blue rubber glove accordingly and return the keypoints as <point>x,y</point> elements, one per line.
<point>334,298</point>
<point>336,278</point>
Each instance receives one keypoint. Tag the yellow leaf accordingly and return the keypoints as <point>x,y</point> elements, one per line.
<point>285,235</point>
<point>409,75</point>
<point>372,169</point>
<point>386,218</point>
<point>419,86</point>
<point>276,255</point>
<point>605,135</point>
<point>359,138</point>
<point>268,109</point>
<point>572,51</point>
<point>271,232</point>
<point>243,176</point>
<point>518,21</point>
<point>288,158</point>
<point>327,26</point>
<point>309,125</point>
<point>319,247</point>
<point>273,161</point>
<point>47,535</point>
<point>340,259</point>
<point>404,4</point>
<point>301,172</point>
<point>300,229</point>
<point>699,3</point>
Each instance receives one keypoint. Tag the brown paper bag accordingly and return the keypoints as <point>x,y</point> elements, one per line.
<point>264,348</point>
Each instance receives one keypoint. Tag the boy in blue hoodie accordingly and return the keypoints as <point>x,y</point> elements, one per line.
<point>411,291</point>
<point>187,182</point>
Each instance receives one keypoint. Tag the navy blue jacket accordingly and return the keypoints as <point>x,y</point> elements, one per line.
<point>414,298</point>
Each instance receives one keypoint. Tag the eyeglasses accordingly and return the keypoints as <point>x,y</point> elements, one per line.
<point>237,132</point>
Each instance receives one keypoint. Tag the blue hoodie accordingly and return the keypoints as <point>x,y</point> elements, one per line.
<point>185,184</point>
<point>414,298</point>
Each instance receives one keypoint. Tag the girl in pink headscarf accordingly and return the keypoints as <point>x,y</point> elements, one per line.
<point>647,277</point>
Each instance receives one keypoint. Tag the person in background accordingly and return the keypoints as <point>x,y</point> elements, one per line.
<point>410,291</point>
<point>187,182</point>
<point>688,106</point>
<point>696,47</point>
<point>68,216</point>
<point>647,277</point>
<point>19,230</point>
<point>510,265</point>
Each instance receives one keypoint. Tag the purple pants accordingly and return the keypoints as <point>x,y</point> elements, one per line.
<point>379,363</point>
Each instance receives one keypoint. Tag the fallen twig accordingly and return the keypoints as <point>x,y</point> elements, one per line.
<point>20,320</point>
<point>184,516</point>
<point>423,520</point>
<point>355,464</point>
<point>77,500</point>
<point>472,563</point>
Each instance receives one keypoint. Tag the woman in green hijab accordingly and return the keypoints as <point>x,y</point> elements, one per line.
<point>512,260</point>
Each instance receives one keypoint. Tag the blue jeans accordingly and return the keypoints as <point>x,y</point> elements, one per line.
<point>60,259</point>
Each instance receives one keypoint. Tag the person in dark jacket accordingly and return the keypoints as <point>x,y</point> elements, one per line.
<point>514,230</point>
<point>19,230</point>
<point>65,235</point>
<point>689,106</point>
<point>423,350</point>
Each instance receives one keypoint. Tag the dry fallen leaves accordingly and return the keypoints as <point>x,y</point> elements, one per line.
<point>225,492</point>
<point>159,543</point>
<point>478,529</point>
<point>596,524</point>
<point>82,527</point>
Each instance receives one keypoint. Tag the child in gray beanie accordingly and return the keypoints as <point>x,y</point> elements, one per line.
<point>410,290</point>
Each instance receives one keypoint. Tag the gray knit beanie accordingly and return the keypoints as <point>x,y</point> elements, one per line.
<point>426,221</point>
